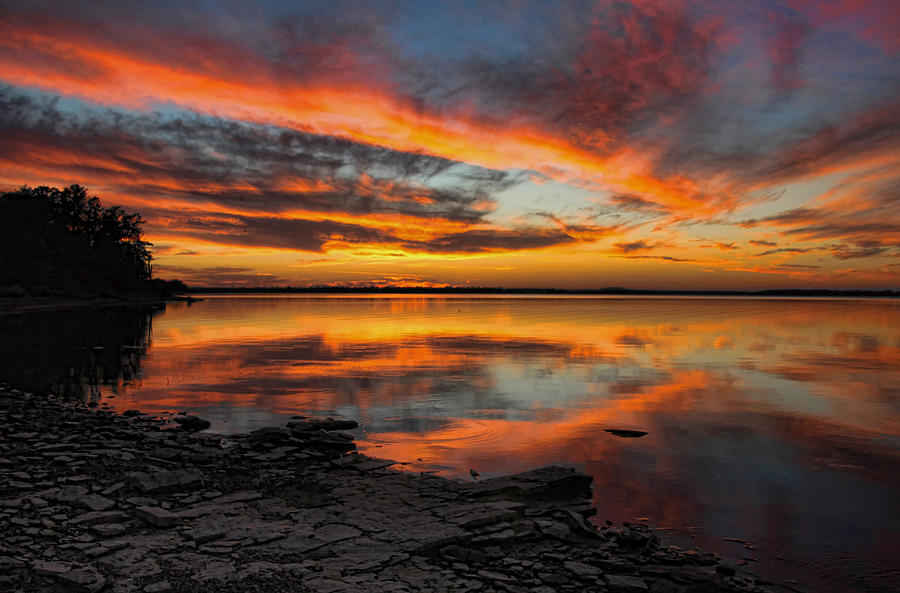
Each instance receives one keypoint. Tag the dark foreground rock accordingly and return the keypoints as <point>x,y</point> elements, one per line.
<point>95,501</point>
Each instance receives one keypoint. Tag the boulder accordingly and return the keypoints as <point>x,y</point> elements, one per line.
<point>192,423</point>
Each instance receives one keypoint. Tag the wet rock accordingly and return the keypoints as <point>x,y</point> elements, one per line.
<point>191,423</point>
<point>546,483</point>
<point>270,434</point>
<point>333,424</point>
<point>725,570</point>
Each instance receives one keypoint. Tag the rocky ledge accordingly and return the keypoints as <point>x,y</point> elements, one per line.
<point>91,500</point>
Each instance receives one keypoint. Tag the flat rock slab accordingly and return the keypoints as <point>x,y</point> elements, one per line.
<point>545,483</point>
<point>166,481</point>
<point>156,516</point>
<point>95,502</point>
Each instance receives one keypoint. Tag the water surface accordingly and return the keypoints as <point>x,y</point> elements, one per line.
<point>774,421</point>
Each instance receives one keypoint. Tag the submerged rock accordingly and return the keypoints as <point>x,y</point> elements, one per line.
<point>626,433</point>
<point>192,423</point>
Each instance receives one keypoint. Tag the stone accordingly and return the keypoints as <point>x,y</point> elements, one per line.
<point>582,570</point>
<point>495,576</point>
<point>619,583</point>
<point>166,481</point>
<point>192,423</point>
<point>202,536</point>
<point>725,570</point>
<point>70,494</point>
<point>50,568</point>
<point>374,464</point>
<point>158,587</point>
<point>95,502</point>
<point>552,482</point>
<point>97,517</point>
<point>156,516</point>
<point>270,434</point>
<point>335,532</point>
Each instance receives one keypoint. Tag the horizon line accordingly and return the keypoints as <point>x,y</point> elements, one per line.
<point>609,290</point>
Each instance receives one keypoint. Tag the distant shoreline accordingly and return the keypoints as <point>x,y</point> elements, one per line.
<point>613,291</point>
<point>10,306</point>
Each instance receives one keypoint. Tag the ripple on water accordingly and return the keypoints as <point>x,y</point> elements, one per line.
<point>425,430</point>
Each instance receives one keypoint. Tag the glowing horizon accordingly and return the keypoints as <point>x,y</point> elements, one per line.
<point>642,144</point>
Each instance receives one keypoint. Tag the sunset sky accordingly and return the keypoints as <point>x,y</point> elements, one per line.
<point>647,144</point>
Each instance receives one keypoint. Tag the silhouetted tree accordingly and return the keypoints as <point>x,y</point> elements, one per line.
<point>61,241</point>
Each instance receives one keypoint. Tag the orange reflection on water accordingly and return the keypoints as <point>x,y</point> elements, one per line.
<point>764,416</point>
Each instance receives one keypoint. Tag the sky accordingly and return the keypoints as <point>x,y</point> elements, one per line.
<point>572,144</point>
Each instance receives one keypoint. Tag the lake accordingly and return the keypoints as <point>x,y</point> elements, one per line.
<point>773,424</point>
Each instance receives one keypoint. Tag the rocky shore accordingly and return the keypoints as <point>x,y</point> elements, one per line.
<point>91,500</point>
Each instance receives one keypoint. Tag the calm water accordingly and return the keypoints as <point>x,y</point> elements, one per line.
<point>773,421</point>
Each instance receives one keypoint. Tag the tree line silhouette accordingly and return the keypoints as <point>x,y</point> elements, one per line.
<point>63,242</point>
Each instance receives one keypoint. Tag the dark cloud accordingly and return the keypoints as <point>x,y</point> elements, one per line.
<point>861,249</point>
<point>602,76</point>
<point>270,231</point>
<point>641,245</point>
<point>785,46</point>
<point>661,257</point>
<point>477,241</point>
<point>204,159</point>
<point>218,276</point>
<point>636,203</point>
<point>875,131</point>
<point>794,250</point>
<point>721,245</point>
<point>760,243</point>
<point>319,235</point>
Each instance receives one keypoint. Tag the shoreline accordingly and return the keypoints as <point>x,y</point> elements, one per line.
<point>94,500</point>
<point>16,305</point>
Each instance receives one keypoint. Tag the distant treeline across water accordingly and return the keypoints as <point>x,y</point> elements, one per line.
<point>793,292</point>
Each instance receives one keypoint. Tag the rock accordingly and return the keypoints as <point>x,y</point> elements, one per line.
<point>374,464</point>
<point>50,568</point>
<point>625,584</point>
<point>158,587</point>
<point>156,516</point>
<point>95,502</point>
<point>270,434</point>
<point>626,433</point>
<point>70,494</point>
<point>192,423</point>
<point>552,482</point>
<point>582,570</point>
<point>86,578</point>
<point>166,481</point>
<point>202,535</point>
<point>96,517</point>
<point>495,576</point>
<point>725,570</point>
<point>83,577</point>
<point>552,578</point>
<point>333,424</point>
